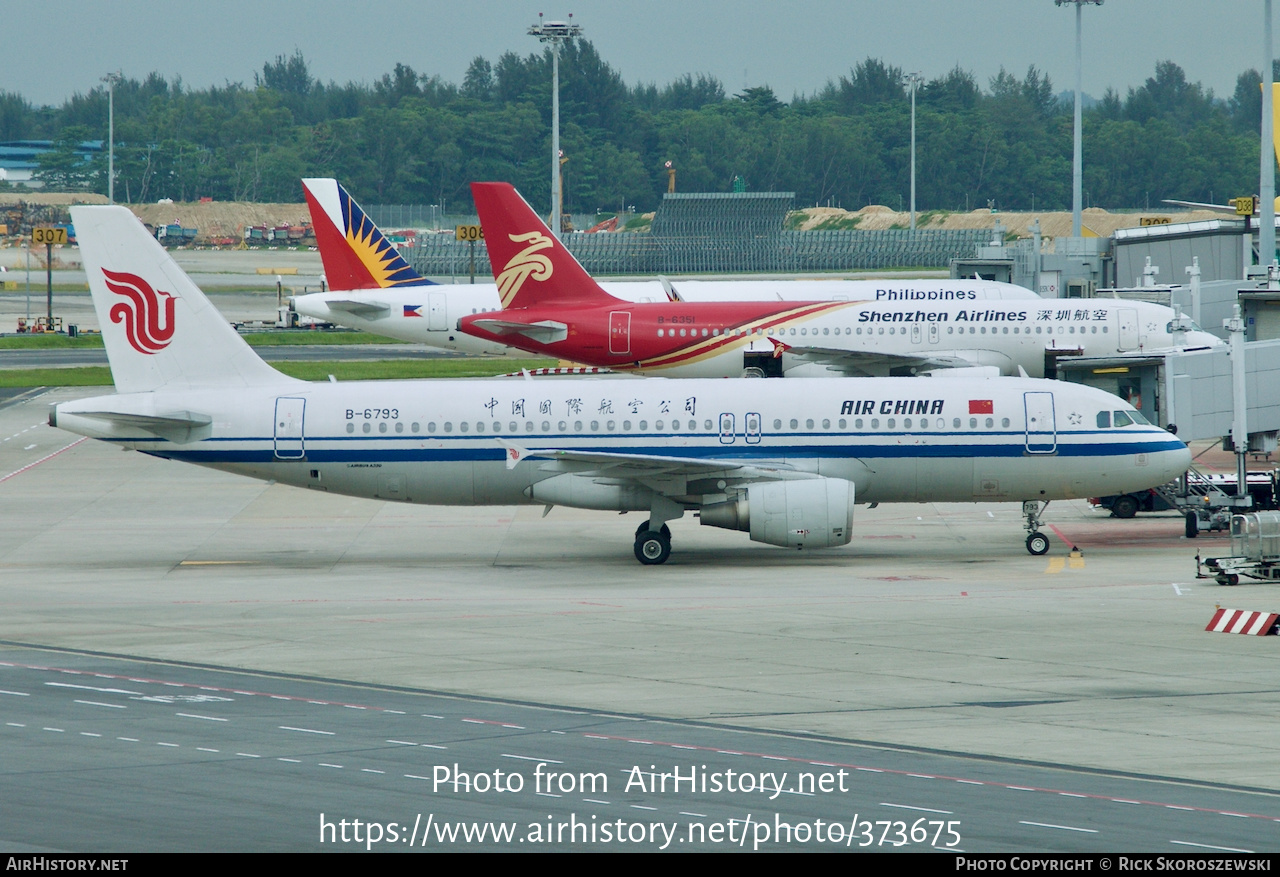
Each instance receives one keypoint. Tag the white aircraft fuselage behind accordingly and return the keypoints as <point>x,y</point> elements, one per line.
<point>429,314</point>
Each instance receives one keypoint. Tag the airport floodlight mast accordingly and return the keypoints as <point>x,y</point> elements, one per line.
<point>1077,162</point>
<point>913,83</point>
<point>111,79</point>
<point>1267,172</point>
<point>555,33</point>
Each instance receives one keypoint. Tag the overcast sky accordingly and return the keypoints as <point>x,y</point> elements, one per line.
<point>52,52</point>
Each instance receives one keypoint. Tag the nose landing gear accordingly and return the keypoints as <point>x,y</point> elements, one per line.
<point>1037,542</point>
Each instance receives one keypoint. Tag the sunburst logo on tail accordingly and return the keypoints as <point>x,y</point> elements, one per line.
<point>524,264</point>
<point>384,263</point>
<point>141,311</point>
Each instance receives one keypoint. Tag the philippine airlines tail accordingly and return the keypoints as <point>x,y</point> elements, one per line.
<point>355,253</point>
<point>516,239</point>
<point>157,326</point>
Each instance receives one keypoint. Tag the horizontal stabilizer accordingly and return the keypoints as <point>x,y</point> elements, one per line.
<point>176,426</point>
<point>359,307</point>
<point>543,331</point>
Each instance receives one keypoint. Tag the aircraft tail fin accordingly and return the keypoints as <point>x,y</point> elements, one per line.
<point>355,253</point>
<point>159,329</point>
<point>530,265</point>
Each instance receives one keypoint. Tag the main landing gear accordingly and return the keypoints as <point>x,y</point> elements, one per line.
<point>653,546</point>
<point>1037,542</point>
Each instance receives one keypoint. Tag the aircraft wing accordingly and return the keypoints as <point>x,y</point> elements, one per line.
<point>862,363</point>
<point>358,307</point>
<point>670,476</point>
<point>1200,205</point>
<point>543,331</point>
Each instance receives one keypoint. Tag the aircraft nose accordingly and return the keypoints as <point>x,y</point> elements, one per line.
<point>1175,461</point>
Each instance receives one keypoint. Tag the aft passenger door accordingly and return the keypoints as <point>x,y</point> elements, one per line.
<point>620,332</point>
<point>290,414</point>
<point>1042,432</point>
<point>437,315</point>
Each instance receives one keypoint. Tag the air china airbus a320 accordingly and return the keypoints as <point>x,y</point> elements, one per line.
<point>553,307</point>
<point>374,289</point>
<point>782,460</point>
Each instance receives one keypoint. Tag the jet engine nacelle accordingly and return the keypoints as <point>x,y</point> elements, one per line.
<point>813,513</point>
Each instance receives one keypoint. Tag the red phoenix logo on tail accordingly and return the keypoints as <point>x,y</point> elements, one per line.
<point>149,331</point>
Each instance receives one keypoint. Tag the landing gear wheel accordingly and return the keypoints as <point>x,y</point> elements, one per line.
<point>666,531</point>
<point>1124,507</point>
<point>652,548</point>
<point>1038,544</point>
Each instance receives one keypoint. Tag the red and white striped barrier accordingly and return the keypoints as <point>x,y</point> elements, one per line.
<point>1240,621</point>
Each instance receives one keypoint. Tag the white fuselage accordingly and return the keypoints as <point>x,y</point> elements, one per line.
<point>447,442</point>
<point>1008,336</point>
<point>430,314</point>
<point>1005,333</point>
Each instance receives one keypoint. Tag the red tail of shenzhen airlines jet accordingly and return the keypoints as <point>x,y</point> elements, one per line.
<point>784,461</point>
<point>551,306</point>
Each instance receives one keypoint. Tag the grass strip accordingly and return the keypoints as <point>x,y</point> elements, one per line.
<point>379,370</point>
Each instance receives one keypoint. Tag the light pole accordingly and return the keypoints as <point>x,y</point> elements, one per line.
<point>1077,162</point>
<point>555,33</point>
<point>1267,173</point>
<point>111,79</point>
<point>913,82</point>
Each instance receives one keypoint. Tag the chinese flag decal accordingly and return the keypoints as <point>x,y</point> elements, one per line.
<point>981,406</point>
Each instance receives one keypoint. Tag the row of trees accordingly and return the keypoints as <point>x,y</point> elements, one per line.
<point>411,138</point>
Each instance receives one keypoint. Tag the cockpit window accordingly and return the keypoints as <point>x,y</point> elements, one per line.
<point>1122,419</point>
<point>1138,418</point>
<point>1184,325</point>
<point>1104,420</point>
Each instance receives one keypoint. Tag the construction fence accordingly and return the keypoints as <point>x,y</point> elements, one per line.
<point>785,252</point>
<point>703,233</point>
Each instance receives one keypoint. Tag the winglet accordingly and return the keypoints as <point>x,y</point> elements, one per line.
<point>672,293</point>
<point>354,251</point>
<point>779,347</point>
<point>531,267</point>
